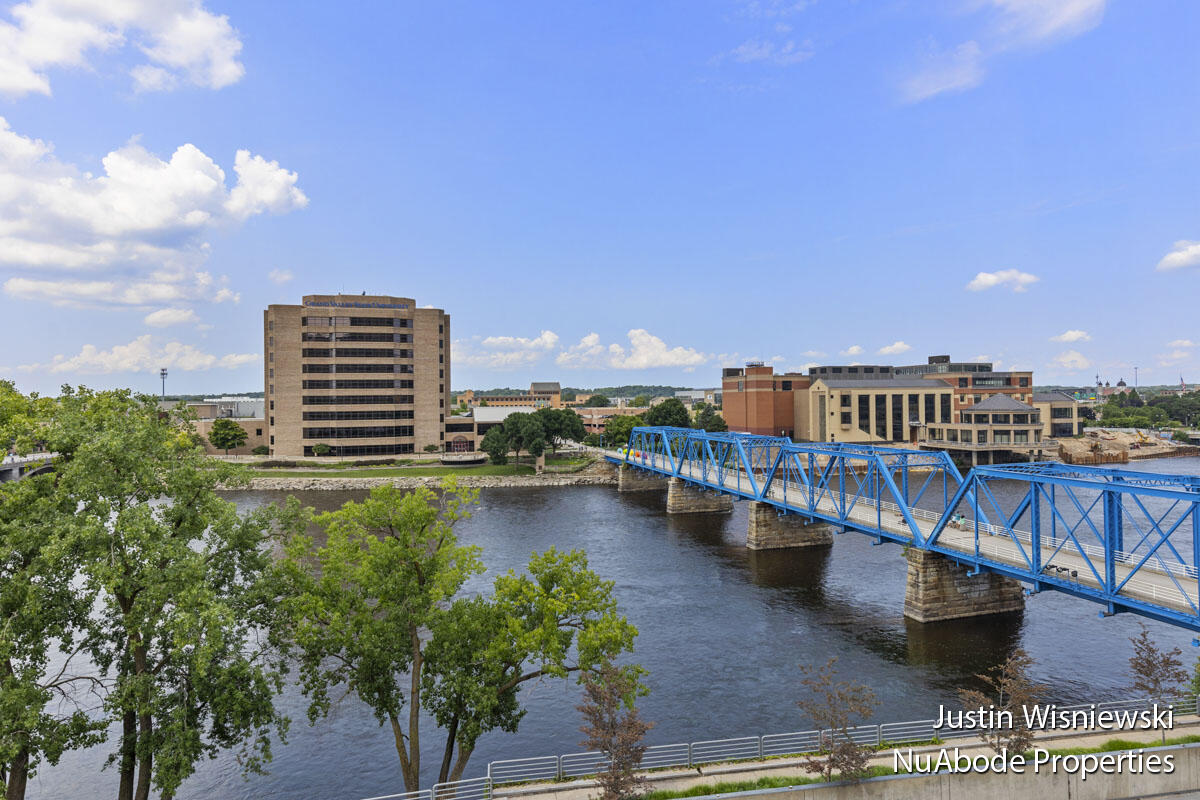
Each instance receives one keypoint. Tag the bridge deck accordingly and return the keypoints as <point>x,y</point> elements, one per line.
<point>1152,585</point>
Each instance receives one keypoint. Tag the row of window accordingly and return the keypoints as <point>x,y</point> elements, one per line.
<point>981,437</point>
<point>1001,419</point>
<point>371,432</point>
<point>354,336</point>
<point>367,450</point>
<point>404,369</point>
<point>356,322</point>
<point>314,416</point>
<point>359,384</point>
<point>357,399</point>
<point>354,352</point>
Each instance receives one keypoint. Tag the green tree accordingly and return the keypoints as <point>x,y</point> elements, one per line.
<point>641,401</point>
<point>39,605</point>
<point>618,428</point>
<point>670,412</point>
<point>320,449</point>
<point>374,609</point>
<point>181,584</point>
<point>594,440</point>
<point>707,418</point>
<point>525,432</point>
<point>495,444</point>
<point>1157,673</point>
<point>430,448</point>
<point>261,450</point>
<point>597,401</point>
<point>560,423</point>
<point>834,706</point>
<point>227,435</point>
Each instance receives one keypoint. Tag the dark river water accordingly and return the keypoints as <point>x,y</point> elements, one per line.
<point>722,630</point>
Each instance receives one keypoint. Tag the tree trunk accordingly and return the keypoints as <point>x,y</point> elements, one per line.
<point>464,755</point>
<point>145,731</point>
<point>414,711</point>
<point>18,773</point>
<point>412,782</point>
<point>449,753</point>
<point>128,751</point>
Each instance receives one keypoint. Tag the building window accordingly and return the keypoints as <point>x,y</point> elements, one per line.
<point>272,421</point>
<point>787,386</point>
<point>441,388</point>
<point>441,359</point>
<point>272,407</point>
<point>1023,382</point>
<point>270,341</point>
<point>272,440</point>
<point>864,413</point>
<point>930,416</point>
<point>441,402</point>
<point>258,431</point>
<point>440,343</point>
<point>982,437</point>
<point>966,436</point>
<point>952,435</point>
<point>271,357</point>
<point>271,389</point>
<point>962,383</point>
<point>881,416</point>
<point>897,417</point>
<point>846,418</point>
<point>945,418</point>
<point>441,373</point>
<point>270,325</point>
<point>441,329</point>
<point>271,373</point>
<point>845,401</point>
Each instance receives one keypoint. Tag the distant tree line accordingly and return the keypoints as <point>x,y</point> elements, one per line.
<point>1129,410</point>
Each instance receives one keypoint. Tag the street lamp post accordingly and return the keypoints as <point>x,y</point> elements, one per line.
<point>162,373</point>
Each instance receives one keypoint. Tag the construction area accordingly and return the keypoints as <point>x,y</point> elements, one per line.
<point>1112,446</point>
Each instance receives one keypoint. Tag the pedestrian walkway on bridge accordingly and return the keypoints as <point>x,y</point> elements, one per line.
<point>1127,540</point>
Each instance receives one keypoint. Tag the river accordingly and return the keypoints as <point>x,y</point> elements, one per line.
<point>722,630</point>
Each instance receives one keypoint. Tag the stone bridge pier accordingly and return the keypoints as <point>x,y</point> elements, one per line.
<point>630,479</point>
<point>940,588</point>
<point>683,498</point>
<point>770,530</point>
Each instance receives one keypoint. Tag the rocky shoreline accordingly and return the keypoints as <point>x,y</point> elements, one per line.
<point>336,483</point>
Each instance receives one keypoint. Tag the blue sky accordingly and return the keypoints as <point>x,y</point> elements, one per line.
<point>603,193</point>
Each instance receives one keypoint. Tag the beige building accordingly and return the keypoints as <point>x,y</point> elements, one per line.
<point>596,417</point>
<point>367,375</point>
<point>873,410</point>
<point>1060,414</point>
<point>541,394</point>
<point>998,424</point>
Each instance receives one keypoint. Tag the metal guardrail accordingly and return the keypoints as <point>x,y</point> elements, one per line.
<point>744,748</point>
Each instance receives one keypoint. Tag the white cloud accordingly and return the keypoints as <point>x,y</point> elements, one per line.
<point>170,316</point>
<point>1072,336</point>
<point>645,351</point>
<point>852,350</point>
<point>1174,357</point>
<point>1019,281</point>
<point>503,352</point>
<point>180,39</point>
<point>804,367</point>
<point>132,235</point>
<point>1038,21</point>
<point>1181,343</point>
<point>140,355</point>
<point>782,54</point>
<point>953,71</point>
<point>1186,254</point>
<point>1011,24</point>
<point>813,354</point>
<point>895,348</point>
<point>280,276</point>
<point>1070,360</point>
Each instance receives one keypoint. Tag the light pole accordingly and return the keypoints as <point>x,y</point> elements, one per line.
<point>162,373</point>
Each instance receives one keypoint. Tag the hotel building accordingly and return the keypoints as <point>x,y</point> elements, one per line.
<point>367,375</point>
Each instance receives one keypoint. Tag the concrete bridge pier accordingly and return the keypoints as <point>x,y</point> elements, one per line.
<point>939,588</point>
<point>770,530</point>
<point>638,480</point>
<point>683,498</point>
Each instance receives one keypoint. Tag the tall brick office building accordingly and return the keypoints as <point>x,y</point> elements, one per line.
<point>368,375</point>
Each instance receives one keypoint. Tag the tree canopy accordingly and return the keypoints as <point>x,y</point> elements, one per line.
<point>670,412</point>
<point>597,401</point>
<point>618,428</point>
<point>496,445</point>
<point>227,435</point>
<point>376,608</point>
<point>707,418</point>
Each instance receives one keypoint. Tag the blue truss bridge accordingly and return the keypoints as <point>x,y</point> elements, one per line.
<point>1127,540</point>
